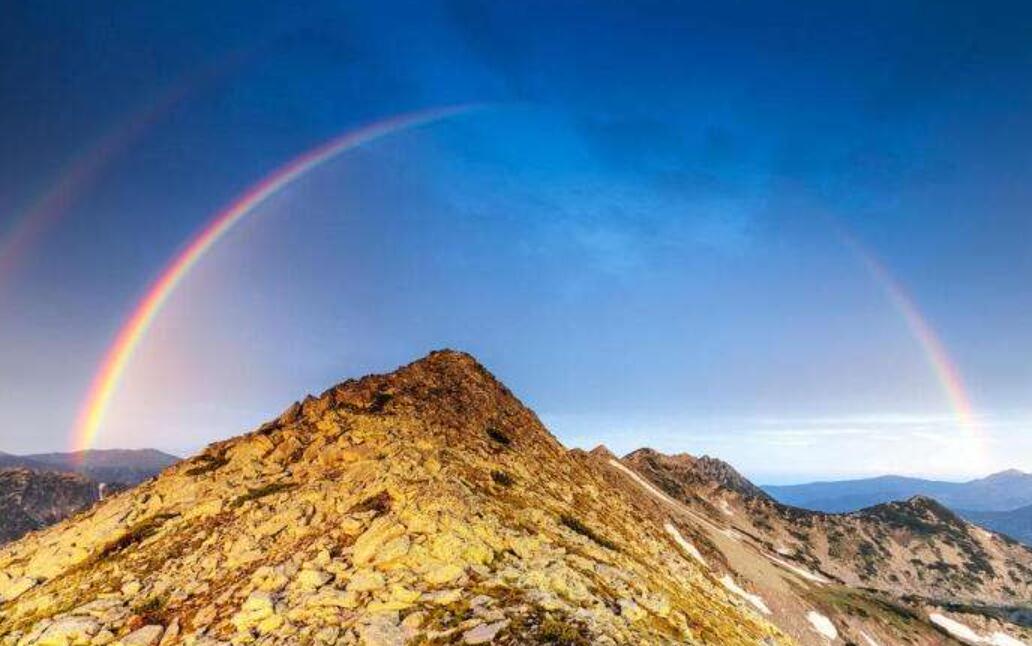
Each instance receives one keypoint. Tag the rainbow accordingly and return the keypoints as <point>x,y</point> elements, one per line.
<point>107,378</point>
<point>942,365</point>
<point>84,169</point>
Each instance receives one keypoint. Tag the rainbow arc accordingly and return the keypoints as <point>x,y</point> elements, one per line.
<point>105,382</point>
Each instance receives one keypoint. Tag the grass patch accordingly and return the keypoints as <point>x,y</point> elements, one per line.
<point>584,530</point>
<point>263,491</point>
<point>560,632</point>
<point>135,534</point>
<point>151,611</point>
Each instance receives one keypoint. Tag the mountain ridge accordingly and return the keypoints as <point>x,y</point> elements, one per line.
<point>427,504</point>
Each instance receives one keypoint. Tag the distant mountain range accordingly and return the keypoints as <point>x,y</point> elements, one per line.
<point>1003,491</point>
<point>125,466</point>
<point>1016,523</point>
<point>1001,502</point>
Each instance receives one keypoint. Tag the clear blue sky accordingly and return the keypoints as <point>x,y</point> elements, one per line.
<point>640,235</point>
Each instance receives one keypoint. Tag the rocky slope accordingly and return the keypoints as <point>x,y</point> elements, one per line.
<point>915,557</point>
<point>424,506</point>
<point>30,500</point>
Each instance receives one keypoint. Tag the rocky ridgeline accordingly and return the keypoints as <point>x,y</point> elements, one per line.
<point>424,506</point>
<point>902,572</point>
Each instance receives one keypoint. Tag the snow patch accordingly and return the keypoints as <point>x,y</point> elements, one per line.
<point>965,633</point>
<point>645,485</point>
<point>755,599</point>
<point>806,574</point>
<point>822,624</point>
<point>726,508</point>
<point>687,546</point>
<point>955,628</point>
<point>870,640</point>
<point>1001,639</point>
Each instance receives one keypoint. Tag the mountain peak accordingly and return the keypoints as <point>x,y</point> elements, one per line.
<point>425,504</point>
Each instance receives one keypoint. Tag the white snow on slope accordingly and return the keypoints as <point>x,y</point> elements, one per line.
<point>644,484</point>
<point>965,633</point>
<point>755,599</point>
<point>687,546</point>
<point>1001,639</point>
<point>822,624</point>
<point>955,628</point>
<point>870,640</point>
<point>806,574</point>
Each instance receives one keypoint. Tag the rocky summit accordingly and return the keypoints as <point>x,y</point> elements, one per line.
<point>424,506</point>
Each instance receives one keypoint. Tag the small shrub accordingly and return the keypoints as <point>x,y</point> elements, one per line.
<point>502,478</point>
<point>498,436</point>
<point>263,491</point>
<point>380,401</point>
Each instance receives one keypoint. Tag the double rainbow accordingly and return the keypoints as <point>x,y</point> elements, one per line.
<point>118,356</point>
<point>105,382</point>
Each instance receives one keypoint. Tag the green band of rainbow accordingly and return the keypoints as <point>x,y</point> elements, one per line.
<point>105,382</point>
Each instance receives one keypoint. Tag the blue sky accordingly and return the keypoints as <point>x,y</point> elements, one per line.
<point>639,234</point>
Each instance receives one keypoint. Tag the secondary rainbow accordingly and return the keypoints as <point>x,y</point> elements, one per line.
<point>88,166</point>
<point>942,365</point>
<point>105,382</point>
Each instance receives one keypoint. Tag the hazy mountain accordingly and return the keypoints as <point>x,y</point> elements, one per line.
<point>1016,523</point>
<point>30,500</point>
<point>429,506</point>
<point>1002,491</point>
<point>127,466</point>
